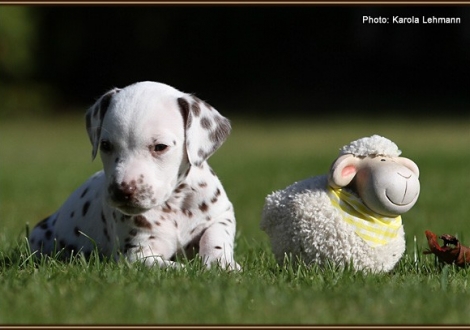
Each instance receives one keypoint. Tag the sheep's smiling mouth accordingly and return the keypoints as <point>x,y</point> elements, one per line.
<point>402,203</point>
<point>403,198</point>
<point>394,203</point>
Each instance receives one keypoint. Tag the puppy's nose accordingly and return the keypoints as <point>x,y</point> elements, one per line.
<point>123,192</point>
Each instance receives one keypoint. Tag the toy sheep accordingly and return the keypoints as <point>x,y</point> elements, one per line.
<point>350,216</point>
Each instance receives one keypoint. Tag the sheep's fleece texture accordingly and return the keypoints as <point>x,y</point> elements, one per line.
<point>374,145</point>
<point>301,222</point>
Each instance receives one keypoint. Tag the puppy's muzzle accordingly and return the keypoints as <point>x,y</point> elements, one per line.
<point>123,193</point>
<point>126,197</point>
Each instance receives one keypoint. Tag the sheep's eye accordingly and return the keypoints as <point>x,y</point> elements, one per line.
<point>105,146</point>
<point>159,147</point>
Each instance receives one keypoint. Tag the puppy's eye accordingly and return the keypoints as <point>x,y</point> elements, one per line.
<point>382,160</point>
<point>158,148</point>
<point>105,146</point>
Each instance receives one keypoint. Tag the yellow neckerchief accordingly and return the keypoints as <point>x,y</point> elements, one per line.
<point>373,228</point>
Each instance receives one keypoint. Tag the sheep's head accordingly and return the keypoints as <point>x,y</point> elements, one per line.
<point>386,183</point>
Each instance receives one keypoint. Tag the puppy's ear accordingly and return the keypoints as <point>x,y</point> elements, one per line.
<point>205,128</point>
<point>94,119</point>
<point>343,170</point>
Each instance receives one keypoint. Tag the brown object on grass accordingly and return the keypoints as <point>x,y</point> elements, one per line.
<point>458,253</point>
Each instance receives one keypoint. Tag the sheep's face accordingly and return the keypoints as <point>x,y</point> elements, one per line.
<point>387,185</point>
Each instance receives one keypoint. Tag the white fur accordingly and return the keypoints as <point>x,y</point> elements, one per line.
<point>148,203</point>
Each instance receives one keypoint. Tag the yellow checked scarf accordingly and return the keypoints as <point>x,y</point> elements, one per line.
<point>373,228</point>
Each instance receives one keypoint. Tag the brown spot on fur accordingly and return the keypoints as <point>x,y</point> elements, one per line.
<point>221,131</point>
<point>84,192</point>
<point>182,186</point>
<point>166,208</point>
<point>187,213</point>
<point>85,208</point>
<point>142,222</point>
<point>185,112</point>
<point>203,207</point>
<point>196,110</point>
<point>43,223</point>
<point>202,184</point>
<point>206,123</point>
<point>187,201</point>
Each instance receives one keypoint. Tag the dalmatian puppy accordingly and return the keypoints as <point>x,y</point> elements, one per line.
<point>156,196</point>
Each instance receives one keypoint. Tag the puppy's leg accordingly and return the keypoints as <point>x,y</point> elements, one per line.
<point>158,252</point>
<point>216,244</point>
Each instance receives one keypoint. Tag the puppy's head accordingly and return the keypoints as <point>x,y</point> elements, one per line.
<point>149,135</point>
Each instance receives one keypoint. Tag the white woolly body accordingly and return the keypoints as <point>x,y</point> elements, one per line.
<point>300,221</point>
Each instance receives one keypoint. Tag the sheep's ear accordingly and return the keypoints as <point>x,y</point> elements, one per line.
<point>409,164</point>
<point>342,171</point>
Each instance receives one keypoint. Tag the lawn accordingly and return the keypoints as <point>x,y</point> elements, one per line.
<point>43,161</point>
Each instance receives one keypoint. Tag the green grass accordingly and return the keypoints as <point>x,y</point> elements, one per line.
<point>43,161</point>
